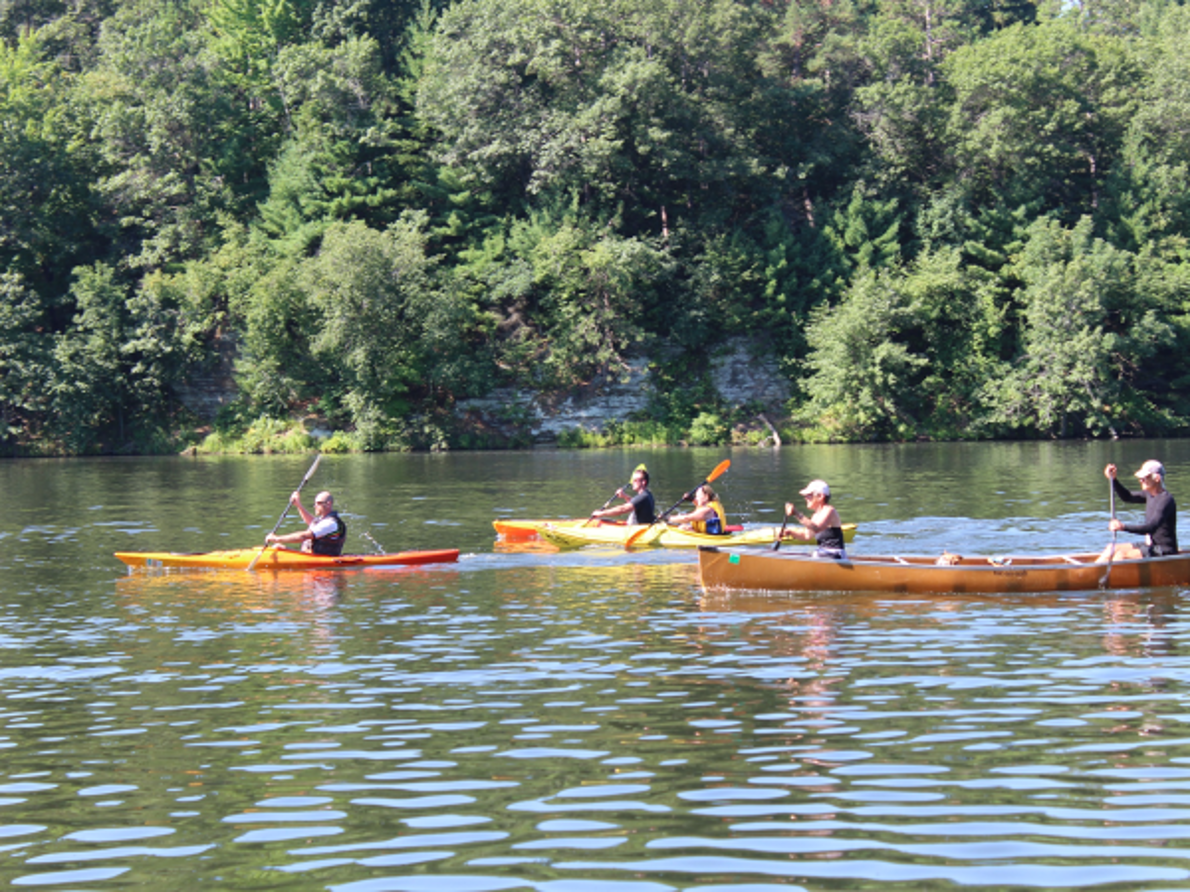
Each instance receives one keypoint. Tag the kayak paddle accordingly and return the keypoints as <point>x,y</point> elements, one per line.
<point>281,519</point>
<point>720,469</point>
<point>777,543</point>
<point>1111,485</point>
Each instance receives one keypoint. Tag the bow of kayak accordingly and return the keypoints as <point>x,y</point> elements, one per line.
<point>283,559</point>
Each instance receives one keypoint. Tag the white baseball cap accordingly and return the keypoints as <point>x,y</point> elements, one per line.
<point>816,486</point>
<point>1152,468</point>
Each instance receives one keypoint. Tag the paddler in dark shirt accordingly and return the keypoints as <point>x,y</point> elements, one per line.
<point>1160,527</point>
<point>641,507</point>
<point>824,521</point>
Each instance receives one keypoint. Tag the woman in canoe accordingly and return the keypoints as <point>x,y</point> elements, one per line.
<point>708,515</point>
<point>1160,527</point>
<point>823,521</point>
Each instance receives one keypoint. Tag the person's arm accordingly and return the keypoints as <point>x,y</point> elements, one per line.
<point>626,508</point>
<point>1123,492</point>
<point>1157,513</point>
<point>703,513</point>
<point>299,536</point>
<point>791,510</point>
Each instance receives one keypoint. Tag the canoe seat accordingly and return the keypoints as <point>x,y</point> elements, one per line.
<point>999,561</point>
<point>900,560</point>
<point>1071,560</point>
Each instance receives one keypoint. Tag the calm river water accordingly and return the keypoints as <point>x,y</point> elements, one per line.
<point>581,721</point>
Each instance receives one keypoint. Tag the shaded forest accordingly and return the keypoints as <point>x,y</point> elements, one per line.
<point>944,218</point>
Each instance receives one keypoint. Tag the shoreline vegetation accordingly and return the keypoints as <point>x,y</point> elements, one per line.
<point>964,221</point>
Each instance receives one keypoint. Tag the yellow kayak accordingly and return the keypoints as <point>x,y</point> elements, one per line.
<point>513,530</point>
<point>525,530</point>
<point>274,558</point>
<point>663,536</point>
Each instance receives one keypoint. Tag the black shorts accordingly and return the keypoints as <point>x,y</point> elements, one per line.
<point>1155,551</point>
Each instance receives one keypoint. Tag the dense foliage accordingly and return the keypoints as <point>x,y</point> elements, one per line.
<point>944,218</point>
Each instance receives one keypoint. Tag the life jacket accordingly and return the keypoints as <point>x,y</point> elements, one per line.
<point>715,526</point>
<point>332,545</point>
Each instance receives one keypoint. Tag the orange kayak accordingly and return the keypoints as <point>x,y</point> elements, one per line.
<point>274,558</point>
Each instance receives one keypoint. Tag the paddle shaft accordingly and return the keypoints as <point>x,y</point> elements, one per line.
<point>1111,495</point>
<point>281,519</point>
<point>720,469</point>
<point>784,523</point>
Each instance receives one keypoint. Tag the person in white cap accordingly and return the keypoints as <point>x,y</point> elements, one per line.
<point>1160,527</point>
<point>823,521</point>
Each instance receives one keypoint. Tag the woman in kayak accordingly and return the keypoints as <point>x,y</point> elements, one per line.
<point>823,522</point>
<point>708,515</point>
<point>1160,527</point>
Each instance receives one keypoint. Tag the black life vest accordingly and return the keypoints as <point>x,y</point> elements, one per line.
<point>331,545</point>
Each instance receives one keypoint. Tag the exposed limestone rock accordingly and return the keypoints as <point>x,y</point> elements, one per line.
<point>739,377</point>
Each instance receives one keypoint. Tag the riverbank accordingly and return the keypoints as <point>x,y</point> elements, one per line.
<point>273,436</point>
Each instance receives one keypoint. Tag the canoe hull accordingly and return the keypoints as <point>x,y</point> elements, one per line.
<point>283,559</point>
<point>730,570</point>
<point>662,536</point>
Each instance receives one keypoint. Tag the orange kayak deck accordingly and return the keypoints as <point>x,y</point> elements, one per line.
<point>282,559</point>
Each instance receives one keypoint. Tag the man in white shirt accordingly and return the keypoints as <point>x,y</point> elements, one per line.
<point>325,531</point>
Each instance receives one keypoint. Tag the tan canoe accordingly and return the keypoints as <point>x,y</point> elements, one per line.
<point>798,572</point>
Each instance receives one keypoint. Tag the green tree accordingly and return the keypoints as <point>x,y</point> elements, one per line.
<point>150,112</point>
<point>343,160</point>
<point>45,203</point>
<point>114,368</point>
<point>1152,203</point>
<point>384,331</point>
<point>654,113</point>
<point>902,354</point>
<point>1088,330</point>
<point>24,365</point>
<point>1039,115</point>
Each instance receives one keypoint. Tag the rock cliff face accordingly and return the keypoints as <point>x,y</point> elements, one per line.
<point>208,390</point>
<point>738,376</point>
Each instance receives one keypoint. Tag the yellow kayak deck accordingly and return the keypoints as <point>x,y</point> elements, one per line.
<point>663,536</point>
